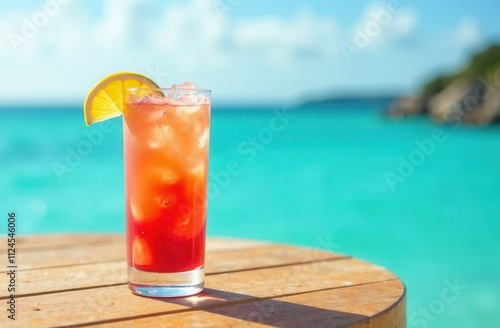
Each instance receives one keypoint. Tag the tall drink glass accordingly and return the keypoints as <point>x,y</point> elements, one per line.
<point>166,142</point>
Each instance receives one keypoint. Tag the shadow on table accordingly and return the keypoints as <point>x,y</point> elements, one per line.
<point>267,311</point>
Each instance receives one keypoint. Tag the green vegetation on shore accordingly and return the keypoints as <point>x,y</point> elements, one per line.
<point>483,64</point>
<point>470,96</point>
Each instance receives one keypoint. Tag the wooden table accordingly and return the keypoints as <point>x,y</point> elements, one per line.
<point>80,281</point>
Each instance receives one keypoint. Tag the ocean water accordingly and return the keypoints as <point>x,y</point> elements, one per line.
<point>417,198</point>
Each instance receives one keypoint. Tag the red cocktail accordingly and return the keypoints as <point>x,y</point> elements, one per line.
<point>166,141</point>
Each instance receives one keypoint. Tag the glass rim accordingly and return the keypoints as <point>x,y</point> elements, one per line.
<point>170,89</point>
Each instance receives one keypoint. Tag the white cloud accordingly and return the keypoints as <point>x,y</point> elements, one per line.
<point>383,24</point>
<point>192,34</point>
<point>184,38</point>
<point>304,35</point>
<point>7,22</point>
<point>117,24</point>
<point>466,33</point>
<point>404,24</point>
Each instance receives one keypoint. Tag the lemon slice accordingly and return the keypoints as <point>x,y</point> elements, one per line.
<point>105,100</point>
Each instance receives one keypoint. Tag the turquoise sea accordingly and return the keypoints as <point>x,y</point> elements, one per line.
<point>418,198</point>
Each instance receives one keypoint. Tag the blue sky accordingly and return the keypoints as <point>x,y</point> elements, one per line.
<point>245,50</point>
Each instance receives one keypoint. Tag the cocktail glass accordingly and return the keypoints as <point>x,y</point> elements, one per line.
<point>166,136</point>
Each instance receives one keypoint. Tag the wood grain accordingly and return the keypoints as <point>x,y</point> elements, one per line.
<point>111,272</point>
<point>81,281</point>
<point>102,302</point>
<point>358,306</point>
<point>52,251</point>
<point>46,242</point>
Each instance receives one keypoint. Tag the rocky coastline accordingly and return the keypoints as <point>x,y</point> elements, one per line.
<point>472,96</point>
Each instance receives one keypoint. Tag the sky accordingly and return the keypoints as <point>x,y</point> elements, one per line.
<point>246,51</point>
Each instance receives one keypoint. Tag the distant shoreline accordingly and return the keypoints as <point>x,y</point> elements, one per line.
<point>329,103</point>
<point>384,100</point>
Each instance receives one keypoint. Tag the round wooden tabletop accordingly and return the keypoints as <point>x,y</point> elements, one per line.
<point>80,281</point>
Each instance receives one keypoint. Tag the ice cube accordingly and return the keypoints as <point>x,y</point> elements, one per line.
<point>183,98</point>
<point>161,136</point>
<point>143,207</point>
<point>185,221</point>
<point>181,95</point>
<point>186,85</point>
<point>166,175</point>
<point>166,200</point>
<point>198,169</point>
<point>203,139</point>
<point>151,99</point>
<point>141,254</point>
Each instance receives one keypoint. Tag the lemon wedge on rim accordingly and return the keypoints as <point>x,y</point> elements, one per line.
<point>105,99</point>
